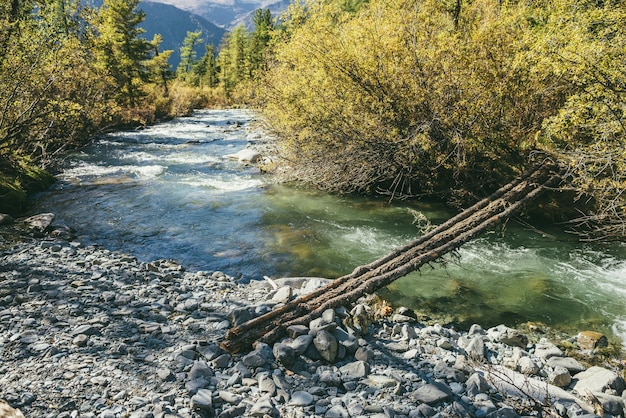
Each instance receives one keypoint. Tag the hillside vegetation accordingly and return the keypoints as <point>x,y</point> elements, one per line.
<point>454,98</point>
<point>69,71</point>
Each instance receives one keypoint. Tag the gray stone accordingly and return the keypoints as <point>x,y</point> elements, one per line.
<point>597,379</point>
<point>229,397</point>
<point>475,349</point>
<point>408,332</point>
<point>41,222</point>
<point>193,386</point>
<point>508,336</point>
<point>328,315</point>
<point>348,341</point>
<point>262,407</point>
<point>432,393</point>
<point>476,329</point>
<point>165,374</point>
<point>254,359</point>
<point>313,284</point>
<point>200,369</point>
<point>267,385</point>
<point>280,381</point>
<point>326,345</point>
<point>355,408</point>
<point>614,405</point>
<point>221,361</point>
<point>560,377</point>
<point>239,316</point>
<point>233,412</point>
<point>80,340</point>
<point>301,343</point>
<point>354,371</point>
<point>399,318</point>
<point>202,400</point>
<point>337,411</point>
<point>571,364</point>
<point>86,329</point>
<point>444,343</point>
<point>526,365</point>
<point>330,378</point>
<point>264,349</point>
<point>284,354</point>
<point>476,384</point>
<point>364,354</point>
<point>547,351</point>
<point>422,411</point>
<point>301,398</point>
<point>380,381</point>
<point>283,294</point>
<point>504,412</point>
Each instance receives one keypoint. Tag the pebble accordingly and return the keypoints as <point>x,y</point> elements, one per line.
<point>89,332</point>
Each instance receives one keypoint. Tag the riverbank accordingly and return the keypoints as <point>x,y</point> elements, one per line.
<point>89,332</point>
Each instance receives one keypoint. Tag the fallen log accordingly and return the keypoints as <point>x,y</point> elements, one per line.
<point>445,238</point>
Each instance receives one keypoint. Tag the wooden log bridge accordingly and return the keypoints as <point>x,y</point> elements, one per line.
<point>367,279</point>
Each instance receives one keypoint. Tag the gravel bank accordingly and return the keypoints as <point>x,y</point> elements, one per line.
<point>85,332</point>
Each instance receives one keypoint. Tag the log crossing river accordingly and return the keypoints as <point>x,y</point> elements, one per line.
<point>169,191</point>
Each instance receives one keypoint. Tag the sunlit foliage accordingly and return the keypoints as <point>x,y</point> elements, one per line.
<point>66,73</point>
<point>448,98</point>
<point>227,76</point>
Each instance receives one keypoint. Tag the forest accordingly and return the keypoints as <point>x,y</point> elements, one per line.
<point>445,99</point>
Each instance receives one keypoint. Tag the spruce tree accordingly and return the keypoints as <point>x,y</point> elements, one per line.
<point>121,52</point>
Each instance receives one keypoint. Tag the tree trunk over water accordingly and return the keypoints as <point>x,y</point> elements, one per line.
<point>447,237</point>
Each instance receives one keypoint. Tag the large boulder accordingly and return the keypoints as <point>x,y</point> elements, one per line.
<point>598,379</point>
<point>246,155</point>
<point>39,223</point>
<point>508,336</point>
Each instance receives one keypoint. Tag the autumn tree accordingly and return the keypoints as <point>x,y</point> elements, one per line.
<point>51,99</point>
<point>451,99</point>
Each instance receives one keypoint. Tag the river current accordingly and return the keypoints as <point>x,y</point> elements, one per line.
<point>168,191</point>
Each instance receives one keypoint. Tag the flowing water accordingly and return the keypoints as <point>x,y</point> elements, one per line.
<point>168,191</point>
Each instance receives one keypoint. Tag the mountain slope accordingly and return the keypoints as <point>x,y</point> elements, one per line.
<point>173,24</point>
<point>227,13</point>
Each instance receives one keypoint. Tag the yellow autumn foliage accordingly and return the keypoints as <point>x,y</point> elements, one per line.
<point>412,97</point>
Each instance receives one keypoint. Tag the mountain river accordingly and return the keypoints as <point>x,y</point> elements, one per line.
<point>168,191</point>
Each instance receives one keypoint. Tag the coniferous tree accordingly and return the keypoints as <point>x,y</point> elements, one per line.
<point>159,71</point>
<point>121,52</point>
<point>188,56</point>
<point>259,40</point>
<point>206,69</point>
<point>232,59</point>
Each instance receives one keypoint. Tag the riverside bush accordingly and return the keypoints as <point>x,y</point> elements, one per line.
<point>422,97</point>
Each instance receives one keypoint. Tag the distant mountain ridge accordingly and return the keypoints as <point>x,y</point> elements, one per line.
<point>228,13</point>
